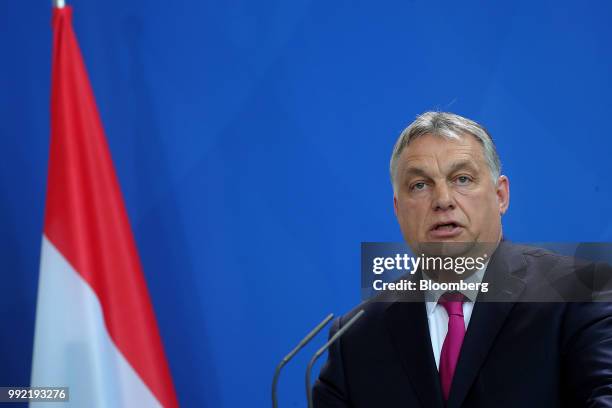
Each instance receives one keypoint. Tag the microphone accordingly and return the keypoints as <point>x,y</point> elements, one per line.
<point>322,350</point>
<point>293,352</point>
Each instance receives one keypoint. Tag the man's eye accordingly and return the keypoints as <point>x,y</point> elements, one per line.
<point>418,186</point>
<point>463,180</point>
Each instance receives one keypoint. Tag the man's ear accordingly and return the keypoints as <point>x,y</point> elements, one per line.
<point>395,204</point>
<point>503,193</point>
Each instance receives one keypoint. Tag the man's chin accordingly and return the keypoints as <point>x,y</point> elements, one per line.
<point>447,248</point>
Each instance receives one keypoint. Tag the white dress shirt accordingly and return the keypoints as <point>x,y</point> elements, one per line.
<point>437,318</point>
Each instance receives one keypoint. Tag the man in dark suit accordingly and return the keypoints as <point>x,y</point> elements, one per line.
<point>503,348</point>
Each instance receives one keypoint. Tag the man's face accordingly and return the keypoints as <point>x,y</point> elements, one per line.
<point>445,193</point>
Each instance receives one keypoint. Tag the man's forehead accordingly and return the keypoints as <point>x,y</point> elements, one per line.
<point>441,152</point>
<point>439,147</point>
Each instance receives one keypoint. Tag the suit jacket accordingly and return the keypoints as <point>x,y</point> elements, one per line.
<point>514,354</point>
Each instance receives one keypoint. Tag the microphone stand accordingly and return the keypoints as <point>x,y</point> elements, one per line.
<point>322,350</point>
<point>293,352</point>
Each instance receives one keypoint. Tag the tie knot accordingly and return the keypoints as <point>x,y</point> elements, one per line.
<point>453,303</point>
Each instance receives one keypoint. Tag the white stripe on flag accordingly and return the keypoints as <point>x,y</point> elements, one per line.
<point>72,346</point>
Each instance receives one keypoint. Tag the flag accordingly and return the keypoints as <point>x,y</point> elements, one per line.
<point>95,331</point>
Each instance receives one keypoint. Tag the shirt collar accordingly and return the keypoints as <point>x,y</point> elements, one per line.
<point>432,296</point>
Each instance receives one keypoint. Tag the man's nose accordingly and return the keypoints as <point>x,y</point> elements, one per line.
<point>442,198</point>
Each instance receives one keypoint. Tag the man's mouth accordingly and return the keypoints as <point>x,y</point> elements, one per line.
<point>449,229</point>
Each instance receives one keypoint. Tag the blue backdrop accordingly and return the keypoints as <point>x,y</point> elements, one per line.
<point>252,139</point>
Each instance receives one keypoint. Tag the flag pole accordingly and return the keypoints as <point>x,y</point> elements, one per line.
<point>59,3</point>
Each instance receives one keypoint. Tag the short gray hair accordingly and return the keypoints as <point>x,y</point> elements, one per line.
<point>447,125</point>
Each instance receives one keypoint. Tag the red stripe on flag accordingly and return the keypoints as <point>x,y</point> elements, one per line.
<point>86,219</point>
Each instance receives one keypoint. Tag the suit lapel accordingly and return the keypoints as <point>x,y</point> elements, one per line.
<point>487,318</point>
<point>407,324</point>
